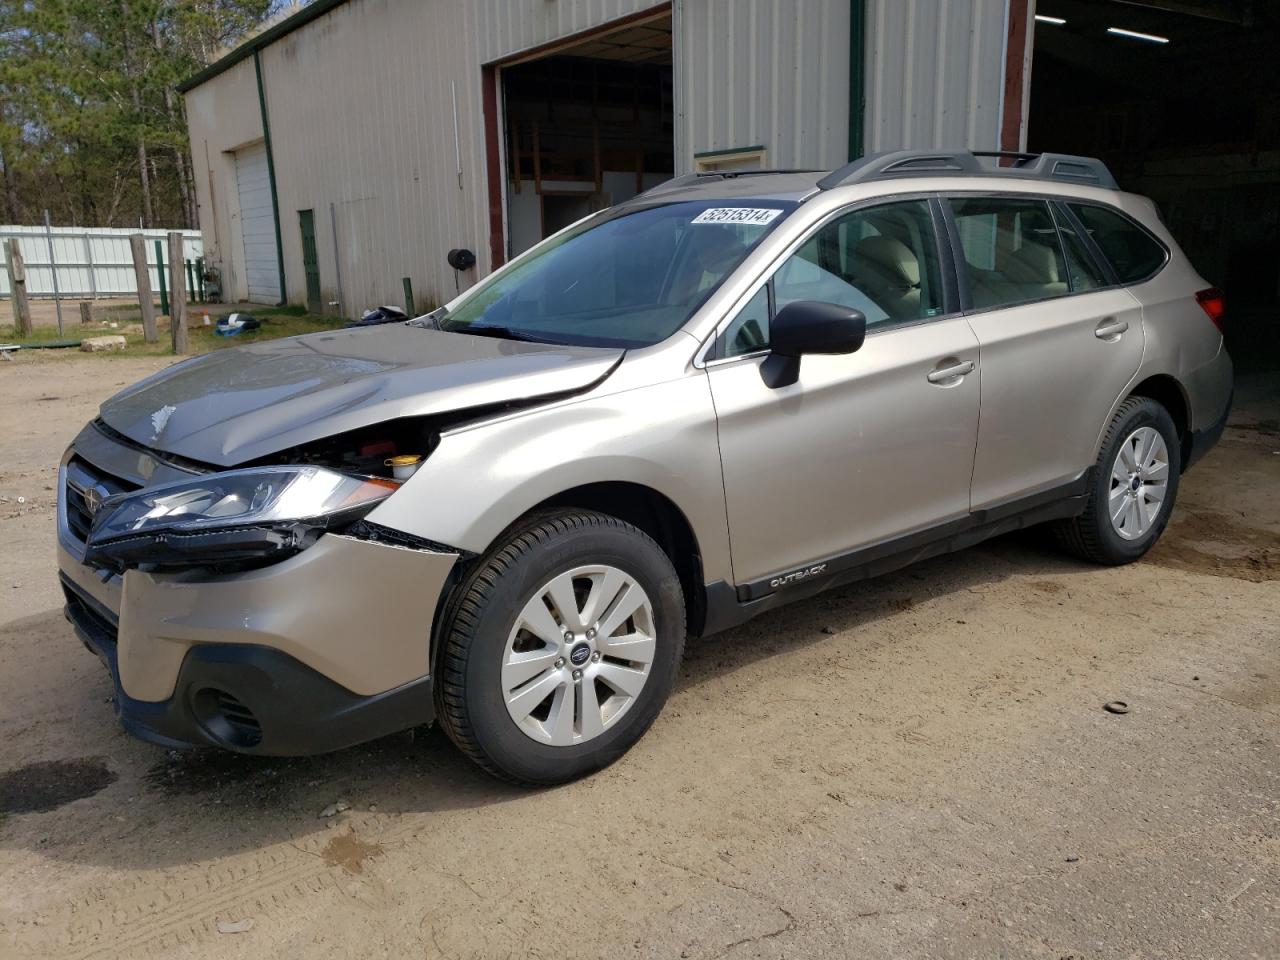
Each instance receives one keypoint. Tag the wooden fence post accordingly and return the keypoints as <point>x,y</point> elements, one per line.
<point>177,294</point>
<point>86,312</point>
<point>142,274</point>
<point>18,289</point>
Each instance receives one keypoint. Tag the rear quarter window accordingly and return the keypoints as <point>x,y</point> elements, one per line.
<point>1135,255</point>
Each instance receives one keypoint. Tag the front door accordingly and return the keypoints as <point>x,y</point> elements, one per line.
<point>1058,346</point>
<point>310,259</point>
<point>863,448</point>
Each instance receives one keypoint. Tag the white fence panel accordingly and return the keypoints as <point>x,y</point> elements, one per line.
<point>90,263</point>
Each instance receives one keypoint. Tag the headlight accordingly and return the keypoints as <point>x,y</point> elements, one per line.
<point>242,517</point>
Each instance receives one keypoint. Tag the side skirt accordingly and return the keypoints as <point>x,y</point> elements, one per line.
<point>728,606</point>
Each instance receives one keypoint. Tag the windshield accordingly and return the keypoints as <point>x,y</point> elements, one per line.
<point>628,278</point>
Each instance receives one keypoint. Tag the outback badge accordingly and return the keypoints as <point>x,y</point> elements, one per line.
<point>788,579</point>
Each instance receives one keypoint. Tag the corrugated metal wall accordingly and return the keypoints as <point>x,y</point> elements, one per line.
<point>501,28</point>
<point>362,103</point>
<point>95,262</point>
<point>222,116</point>
<point>761,72</point>
<point>934,73</point>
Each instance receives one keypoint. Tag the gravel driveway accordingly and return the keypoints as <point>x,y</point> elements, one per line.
<point>919,766</point>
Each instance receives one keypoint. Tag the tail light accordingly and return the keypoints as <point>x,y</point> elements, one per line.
<point>1214,303</point>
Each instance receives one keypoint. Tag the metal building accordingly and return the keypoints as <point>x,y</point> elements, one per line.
<point>355,143</point>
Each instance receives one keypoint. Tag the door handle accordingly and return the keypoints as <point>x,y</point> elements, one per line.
<point>1110,329</point>
<point>951,373</point>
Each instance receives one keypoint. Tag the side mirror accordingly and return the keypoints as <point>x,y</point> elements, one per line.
<point>809,326</point>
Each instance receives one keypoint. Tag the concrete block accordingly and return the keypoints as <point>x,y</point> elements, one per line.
<point>102,344</point>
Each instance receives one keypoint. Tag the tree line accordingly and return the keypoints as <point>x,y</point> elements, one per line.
<point>92,127</point>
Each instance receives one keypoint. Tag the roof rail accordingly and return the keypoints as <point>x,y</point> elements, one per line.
<point>703,175</point>
<point>919,163</point>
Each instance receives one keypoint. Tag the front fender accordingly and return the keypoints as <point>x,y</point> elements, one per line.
<point>484,476</point>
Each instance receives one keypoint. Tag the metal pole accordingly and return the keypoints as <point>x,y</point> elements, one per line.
<point>457,139</point>
<point>200,277</point>
<point>53,269</point>
<point>177,295</point>
<point>164,290</point>
<point>191,286</point>
<point>337,256</point>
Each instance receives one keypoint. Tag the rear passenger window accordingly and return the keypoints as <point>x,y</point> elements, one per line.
<point>1133,252</point>
<point>1082,269</point>
<point>1011,250</point>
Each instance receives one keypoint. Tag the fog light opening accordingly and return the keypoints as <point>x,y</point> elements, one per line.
<point>226,720</point>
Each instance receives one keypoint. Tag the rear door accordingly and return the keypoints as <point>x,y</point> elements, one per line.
<point>1059,344</point>
<point>310,259</point>
<point>257,225</point>
<point>863,448</point>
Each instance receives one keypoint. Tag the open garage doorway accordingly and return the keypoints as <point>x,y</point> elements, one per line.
<point>1181,98</point>
<point>586,125</point>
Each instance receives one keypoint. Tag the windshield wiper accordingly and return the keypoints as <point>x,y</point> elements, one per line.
<point>502,333</point>
<point>430,321</point>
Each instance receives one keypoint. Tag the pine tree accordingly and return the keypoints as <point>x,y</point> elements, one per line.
<point>91,125</point>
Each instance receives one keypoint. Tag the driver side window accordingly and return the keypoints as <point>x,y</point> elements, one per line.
<point>881,260</point>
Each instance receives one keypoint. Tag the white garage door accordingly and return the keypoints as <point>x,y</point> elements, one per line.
<point>258,225</point>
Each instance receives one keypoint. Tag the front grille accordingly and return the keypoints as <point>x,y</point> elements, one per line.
<point>86,488</point>
<point>95,623</point>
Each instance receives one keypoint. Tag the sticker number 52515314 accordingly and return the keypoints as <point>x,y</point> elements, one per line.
<point>756,216</point>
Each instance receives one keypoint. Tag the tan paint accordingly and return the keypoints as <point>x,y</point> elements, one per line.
<point>358,612</point>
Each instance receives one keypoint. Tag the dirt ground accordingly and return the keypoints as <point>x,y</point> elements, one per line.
<point>916,767</point>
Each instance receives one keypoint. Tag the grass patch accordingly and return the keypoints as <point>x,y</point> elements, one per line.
<point>276,322</point>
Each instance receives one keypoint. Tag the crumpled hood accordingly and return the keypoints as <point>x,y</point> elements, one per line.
<point>236,405</point>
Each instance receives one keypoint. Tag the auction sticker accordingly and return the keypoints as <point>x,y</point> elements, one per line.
<point>757,216</point>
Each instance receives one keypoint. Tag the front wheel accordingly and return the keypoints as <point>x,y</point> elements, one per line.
<point>1133,490</point>
<point>562,649</point>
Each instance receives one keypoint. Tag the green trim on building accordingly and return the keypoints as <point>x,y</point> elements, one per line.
<point>725,153</point>
<point>857,78</point>
<point>313,11</point>
<point>271,170</point>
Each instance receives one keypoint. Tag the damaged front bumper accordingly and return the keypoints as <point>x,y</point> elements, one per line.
<point>250,698</point>
<point>326,649</point>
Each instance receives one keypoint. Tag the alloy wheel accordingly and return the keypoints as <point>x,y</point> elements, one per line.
<point>1139,483</point>
<point>578,655</point>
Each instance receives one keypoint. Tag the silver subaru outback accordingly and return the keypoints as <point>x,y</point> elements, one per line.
<point>732,392</point>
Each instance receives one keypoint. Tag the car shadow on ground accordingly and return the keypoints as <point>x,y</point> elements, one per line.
<point>145,806</point>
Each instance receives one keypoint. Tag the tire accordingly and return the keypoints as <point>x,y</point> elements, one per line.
<point>1093,535</point>
<point>477,699</point>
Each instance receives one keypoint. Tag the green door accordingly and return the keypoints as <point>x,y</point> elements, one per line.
<point>310,261</point>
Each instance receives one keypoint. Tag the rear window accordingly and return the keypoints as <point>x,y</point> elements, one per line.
<point>1134,253</point>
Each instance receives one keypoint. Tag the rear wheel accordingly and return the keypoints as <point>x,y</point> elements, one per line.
<point>562,649</point>
<point>1133,490</point>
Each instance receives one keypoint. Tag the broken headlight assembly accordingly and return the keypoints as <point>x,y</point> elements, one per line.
<point>234,520</point>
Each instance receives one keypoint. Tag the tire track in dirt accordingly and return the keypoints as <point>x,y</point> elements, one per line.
<point>151,916</point>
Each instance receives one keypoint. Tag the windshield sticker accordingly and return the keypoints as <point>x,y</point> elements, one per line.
<point>757,216</point>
